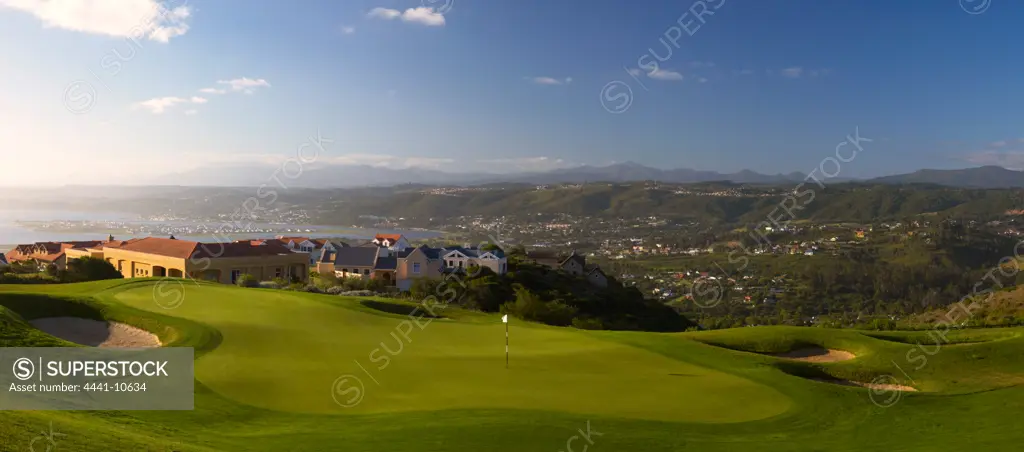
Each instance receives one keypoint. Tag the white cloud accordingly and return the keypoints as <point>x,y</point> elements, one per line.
<point>146,19</point>
<point>422,15</point>
<point>998,144</point>
<point>665,74</point>
<point>792,72</point>
<point>550,80</point>
<point>702,80</point>
<point>385,13</point>
<point>160,104</point>
<point>657,74</point>
<point>244,84</point>
<point>212,91</point>
<point>348,30</point>
<point>191,112</point>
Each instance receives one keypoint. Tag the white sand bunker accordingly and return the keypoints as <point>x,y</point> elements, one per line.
<point>883,387</point>
<point>95,333</point>
<point>816,355</point>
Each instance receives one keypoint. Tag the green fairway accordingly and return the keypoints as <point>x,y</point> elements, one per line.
<point>268,360</point>
<point>282,351</point>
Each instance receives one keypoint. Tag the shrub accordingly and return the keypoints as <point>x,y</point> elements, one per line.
<point>247,281</point>
<point>269,285</point>
<point>312,288</point>
<point>587,323</point>
<point>86,269</point>
<point>336,290</point>
<point>358,293</point>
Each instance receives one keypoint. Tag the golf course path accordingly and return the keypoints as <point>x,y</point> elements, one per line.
<point>95,333</point>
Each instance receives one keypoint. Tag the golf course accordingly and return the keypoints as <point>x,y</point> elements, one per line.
<point>283,370</point>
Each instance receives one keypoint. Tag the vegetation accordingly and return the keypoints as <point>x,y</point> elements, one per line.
<point>278,399</point>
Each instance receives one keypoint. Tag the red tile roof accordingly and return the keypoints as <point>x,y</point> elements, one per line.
<point>393,238</point>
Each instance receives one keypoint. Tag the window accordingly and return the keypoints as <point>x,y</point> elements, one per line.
<point>235,274</point>
<point>366,271</point>
<point>344,270</point>
<point>416,267</point>
<point>278,272</point>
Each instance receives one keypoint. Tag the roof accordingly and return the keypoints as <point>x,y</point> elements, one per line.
<point>3,260</point>
<point>389,237</point>
<point>356,256</point>
<point>473,252</point>
<point>182,249</point>
<point>386,263</point>
<point>576,257</point>
<point>293,239</point>
<point>240,249</point>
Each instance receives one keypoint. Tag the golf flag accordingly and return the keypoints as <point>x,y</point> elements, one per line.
<point>504,318</point>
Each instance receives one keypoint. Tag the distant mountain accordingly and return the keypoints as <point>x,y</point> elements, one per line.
<point>345,176</point>
<point>980,177</point>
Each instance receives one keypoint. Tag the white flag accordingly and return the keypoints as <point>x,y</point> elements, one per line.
<point>504,318</point>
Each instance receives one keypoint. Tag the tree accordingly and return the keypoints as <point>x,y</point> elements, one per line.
<point>89,269</point>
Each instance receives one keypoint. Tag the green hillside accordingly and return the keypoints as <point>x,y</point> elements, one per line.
<point>269,362</point>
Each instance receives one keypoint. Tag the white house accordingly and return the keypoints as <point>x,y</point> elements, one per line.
<point>394,242</point>
<point>315,247</point>
<point>457,257</point>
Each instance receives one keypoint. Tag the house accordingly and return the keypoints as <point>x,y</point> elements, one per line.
<point>394,242</point>
<point>3,260</point>
<point>597,277</point>
<point>46,253</point>
<point>456,258</point>
<point>315,247</point>
<point>217,262</point>
<point>402,268</point>
<point>574,264</point>
<point>349,262</point>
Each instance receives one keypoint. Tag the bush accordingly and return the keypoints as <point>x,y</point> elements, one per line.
<point>336,290</point>
<point>269,285</point>
<point>587,323</point>
<point>247,281</point>
<point>358,293</point>
<point>312,288</point>
<point>86,269</point>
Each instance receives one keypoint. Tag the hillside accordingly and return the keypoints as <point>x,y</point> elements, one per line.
<point>980,177</point>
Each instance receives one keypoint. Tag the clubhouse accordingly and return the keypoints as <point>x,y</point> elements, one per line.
<point>158,257</point>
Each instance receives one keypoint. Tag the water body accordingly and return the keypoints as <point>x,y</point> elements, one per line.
<point>12,233</point>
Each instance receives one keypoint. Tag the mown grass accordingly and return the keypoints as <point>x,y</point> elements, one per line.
<point>267,359</point>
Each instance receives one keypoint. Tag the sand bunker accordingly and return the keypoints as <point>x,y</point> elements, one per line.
<point>816,355</point>
<point>885,387</point>
<point>96,333</point>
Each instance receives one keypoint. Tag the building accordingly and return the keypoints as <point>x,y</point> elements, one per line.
<point>217,262</point>
<point>574,264</point>
<point>394,242</point>
<point>315,247</point>
<point>378,261</point>
<point>47,253</point>
<point>3,260</point>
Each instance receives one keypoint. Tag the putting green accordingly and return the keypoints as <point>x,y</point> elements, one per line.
<point>285,351</point>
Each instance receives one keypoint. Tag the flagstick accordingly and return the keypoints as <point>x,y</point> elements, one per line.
<point>506,345</point>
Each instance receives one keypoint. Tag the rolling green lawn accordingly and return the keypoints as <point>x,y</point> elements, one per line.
<point>267,363</point>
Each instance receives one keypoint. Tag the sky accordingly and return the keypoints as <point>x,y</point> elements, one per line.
<point>124,91</point>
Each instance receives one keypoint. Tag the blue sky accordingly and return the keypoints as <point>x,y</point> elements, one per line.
<point>474,85</point>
